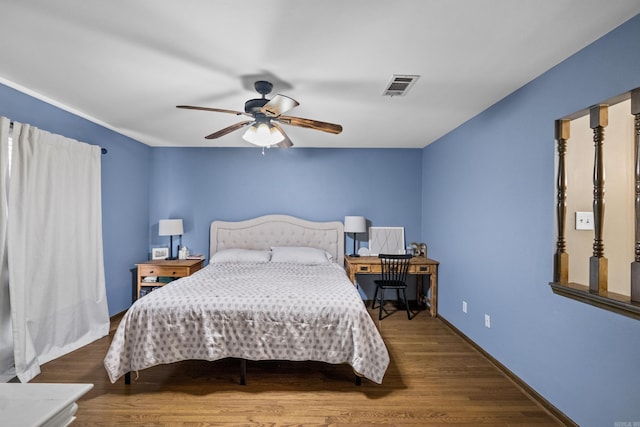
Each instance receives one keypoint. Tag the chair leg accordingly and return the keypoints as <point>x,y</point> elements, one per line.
<point>406,303</point>
<point>381,303</point>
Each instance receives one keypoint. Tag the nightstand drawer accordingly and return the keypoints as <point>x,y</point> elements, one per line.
<point>413,269</point>
<point>162,270</point>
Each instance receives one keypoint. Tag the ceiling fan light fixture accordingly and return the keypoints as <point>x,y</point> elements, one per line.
<point>266,116</point>
<point>263,135</point>
<point>276,135</point>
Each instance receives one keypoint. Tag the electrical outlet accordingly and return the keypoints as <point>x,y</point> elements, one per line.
<point>464,306</point>
<point>487,321</point>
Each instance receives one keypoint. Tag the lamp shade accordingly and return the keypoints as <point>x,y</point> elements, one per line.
<point>355,224</point>
<point>263,135</point>
<point>170,227</point>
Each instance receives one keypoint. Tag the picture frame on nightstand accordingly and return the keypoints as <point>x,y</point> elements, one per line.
<point>160,253</point>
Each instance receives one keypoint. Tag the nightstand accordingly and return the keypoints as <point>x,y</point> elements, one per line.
<point>152,273</point>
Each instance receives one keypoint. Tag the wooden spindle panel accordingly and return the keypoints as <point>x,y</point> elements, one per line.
<point>635,265</point>
<point>561,260</point>
<point>598,266</point>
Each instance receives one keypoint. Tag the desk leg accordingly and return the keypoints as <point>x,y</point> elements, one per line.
<point>433,300</point>
<point>428,297</point>
<point>421,296</point>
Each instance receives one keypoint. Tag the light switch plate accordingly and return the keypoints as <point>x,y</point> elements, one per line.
<point>584,220</point>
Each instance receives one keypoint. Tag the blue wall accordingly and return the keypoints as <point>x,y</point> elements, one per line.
<point>204,184</point>
<point>125,186</point>
<point>488,217</point>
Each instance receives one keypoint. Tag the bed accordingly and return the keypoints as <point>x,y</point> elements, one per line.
<point>274,289</point>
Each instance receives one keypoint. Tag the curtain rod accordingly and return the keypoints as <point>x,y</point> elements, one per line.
<point>102,150</point>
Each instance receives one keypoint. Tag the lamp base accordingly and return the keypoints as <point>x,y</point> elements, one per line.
<point>171,258</point>
<point>355,253</point>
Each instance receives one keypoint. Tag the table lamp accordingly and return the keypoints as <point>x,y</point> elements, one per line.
<point>170,227</point>
<point>355,224</point>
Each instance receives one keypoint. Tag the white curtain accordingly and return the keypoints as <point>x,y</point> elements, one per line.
<point>7,370</point>
<point>54,245</point>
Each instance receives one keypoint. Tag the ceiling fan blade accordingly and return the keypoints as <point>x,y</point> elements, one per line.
<point>217,110</point>
<point>311,124</point>
<point>278,104</point>
<point>229,129</point>
<point>286,142</point>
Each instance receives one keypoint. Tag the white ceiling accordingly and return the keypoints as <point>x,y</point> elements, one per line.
<point>126,64</point>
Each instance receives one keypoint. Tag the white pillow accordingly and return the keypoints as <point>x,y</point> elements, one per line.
<point>299,255</point>
<point>241,255</point>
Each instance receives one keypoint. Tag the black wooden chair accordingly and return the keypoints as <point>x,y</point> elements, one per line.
<point>393,276</point>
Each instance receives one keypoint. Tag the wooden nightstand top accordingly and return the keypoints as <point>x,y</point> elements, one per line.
<point>173,262</point>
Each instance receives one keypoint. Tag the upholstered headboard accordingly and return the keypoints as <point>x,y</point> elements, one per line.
<point>278,230</point>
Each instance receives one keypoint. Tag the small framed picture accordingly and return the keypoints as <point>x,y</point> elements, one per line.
<point>160,253</point>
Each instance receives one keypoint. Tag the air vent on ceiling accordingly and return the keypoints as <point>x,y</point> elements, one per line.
<point>400,84</point>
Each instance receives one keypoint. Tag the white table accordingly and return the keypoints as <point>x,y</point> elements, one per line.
<point>39,404</point>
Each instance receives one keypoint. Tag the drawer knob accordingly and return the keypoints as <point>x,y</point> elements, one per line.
<point>364,268</point>
<point>150,271</point>
<point>424,268</point>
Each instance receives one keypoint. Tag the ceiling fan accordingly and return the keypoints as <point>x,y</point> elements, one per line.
<point>266,116</point>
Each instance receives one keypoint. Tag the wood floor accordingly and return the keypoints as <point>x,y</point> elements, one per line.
<point>435,378</point>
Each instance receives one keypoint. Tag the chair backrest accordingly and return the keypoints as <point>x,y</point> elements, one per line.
<point>395,267</point>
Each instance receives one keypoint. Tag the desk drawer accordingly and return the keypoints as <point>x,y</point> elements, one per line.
<point>413,269</point>
<point>369,268</point>
<point>159,270</point>
<point>422,269</point>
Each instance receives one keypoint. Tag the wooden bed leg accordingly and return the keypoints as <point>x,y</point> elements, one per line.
<point>127,378</point>
<point>358,380</point>
<point>243,371</point>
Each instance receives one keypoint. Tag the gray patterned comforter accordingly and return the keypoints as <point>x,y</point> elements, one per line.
<point>261,311</point>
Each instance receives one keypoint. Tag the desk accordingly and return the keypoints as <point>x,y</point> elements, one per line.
<point>419,266</point>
